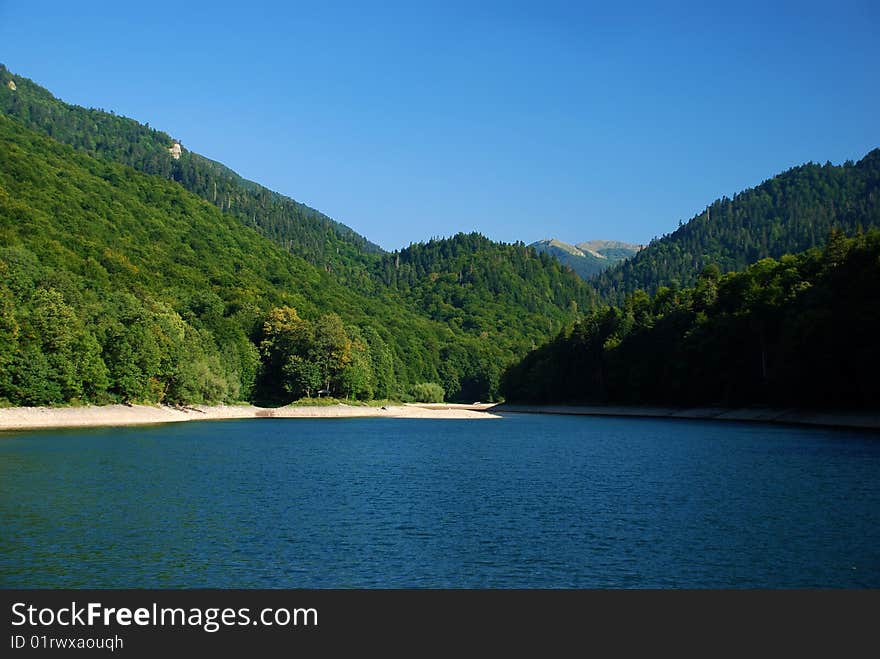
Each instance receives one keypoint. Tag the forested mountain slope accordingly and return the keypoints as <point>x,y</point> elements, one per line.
<point>296,227</point>
<point>504,295</point>
<point>167,298</point>
<point>116,285</point>
<point>484,327</point>
<point>263,291</point>
<point>800,331</point>
<point>788,213</point>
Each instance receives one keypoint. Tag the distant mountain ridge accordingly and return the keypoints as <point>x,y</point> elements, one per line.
<point>588,258</point>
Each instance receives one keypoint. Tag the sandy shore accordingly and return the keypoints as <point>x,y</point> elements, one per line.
<point>27,418</point>
<point>868,420</point>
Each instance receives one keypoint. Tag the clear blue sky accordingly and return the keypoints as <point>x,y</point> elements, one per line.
<point>522,120</point>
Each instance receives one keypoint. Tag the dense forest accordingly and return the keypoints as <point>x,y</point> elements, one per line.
<point>121,286</point>
<point>797,331</point>
<point>117,285</point>
<point>351,277</point>
<point>127,274</point>
<point>471,283</point>
<point>302,230</point>
<point>504,298</point>
<point>789,213</point>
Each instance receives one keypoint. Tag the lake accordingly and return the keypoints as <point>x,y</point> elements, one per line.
<point>520,502</point>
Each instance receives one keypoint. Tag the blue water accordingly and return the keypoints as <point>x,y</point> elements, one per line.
<point>524,501</point>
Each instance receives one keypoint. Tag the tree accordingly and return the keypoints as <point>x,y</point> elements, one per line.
<point>356,380</point>
<point>8,338</point>
<point>427,392</point>
<point>301,376</point>
<point>382,364</point>
<point>330,349</point>
<point>285,335</point>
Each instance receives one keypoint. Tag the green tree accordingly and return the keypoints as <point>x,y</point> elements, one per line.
<point>427,392</point>
<point>382,364</point>
<point>330,350</point>
<point>8,338</point>
<point>285,335</point>
<point>356,379</point>
<point>302,377</point>
<point>34,380</point>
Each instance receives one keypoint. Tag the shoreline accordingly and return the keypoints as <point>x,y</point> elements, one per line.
<point>93,416</point>
<point>868,420</point>
<point>119,415</point>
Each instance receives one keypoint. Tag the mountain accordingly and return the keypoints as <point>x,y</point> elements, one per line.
<point>613,250</point>
<point>505,296</point>
<point>121,286</point>
<point>800,331</point>
<point>133,269</point>
<point>303,231</point>
<point>587,259</point>
<point>117,285</point>
<point>460,335</point>
<point>788,213</point>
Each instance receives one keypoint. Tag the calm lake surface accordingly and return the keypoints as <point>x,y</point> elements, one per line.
<point>524,501</point>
